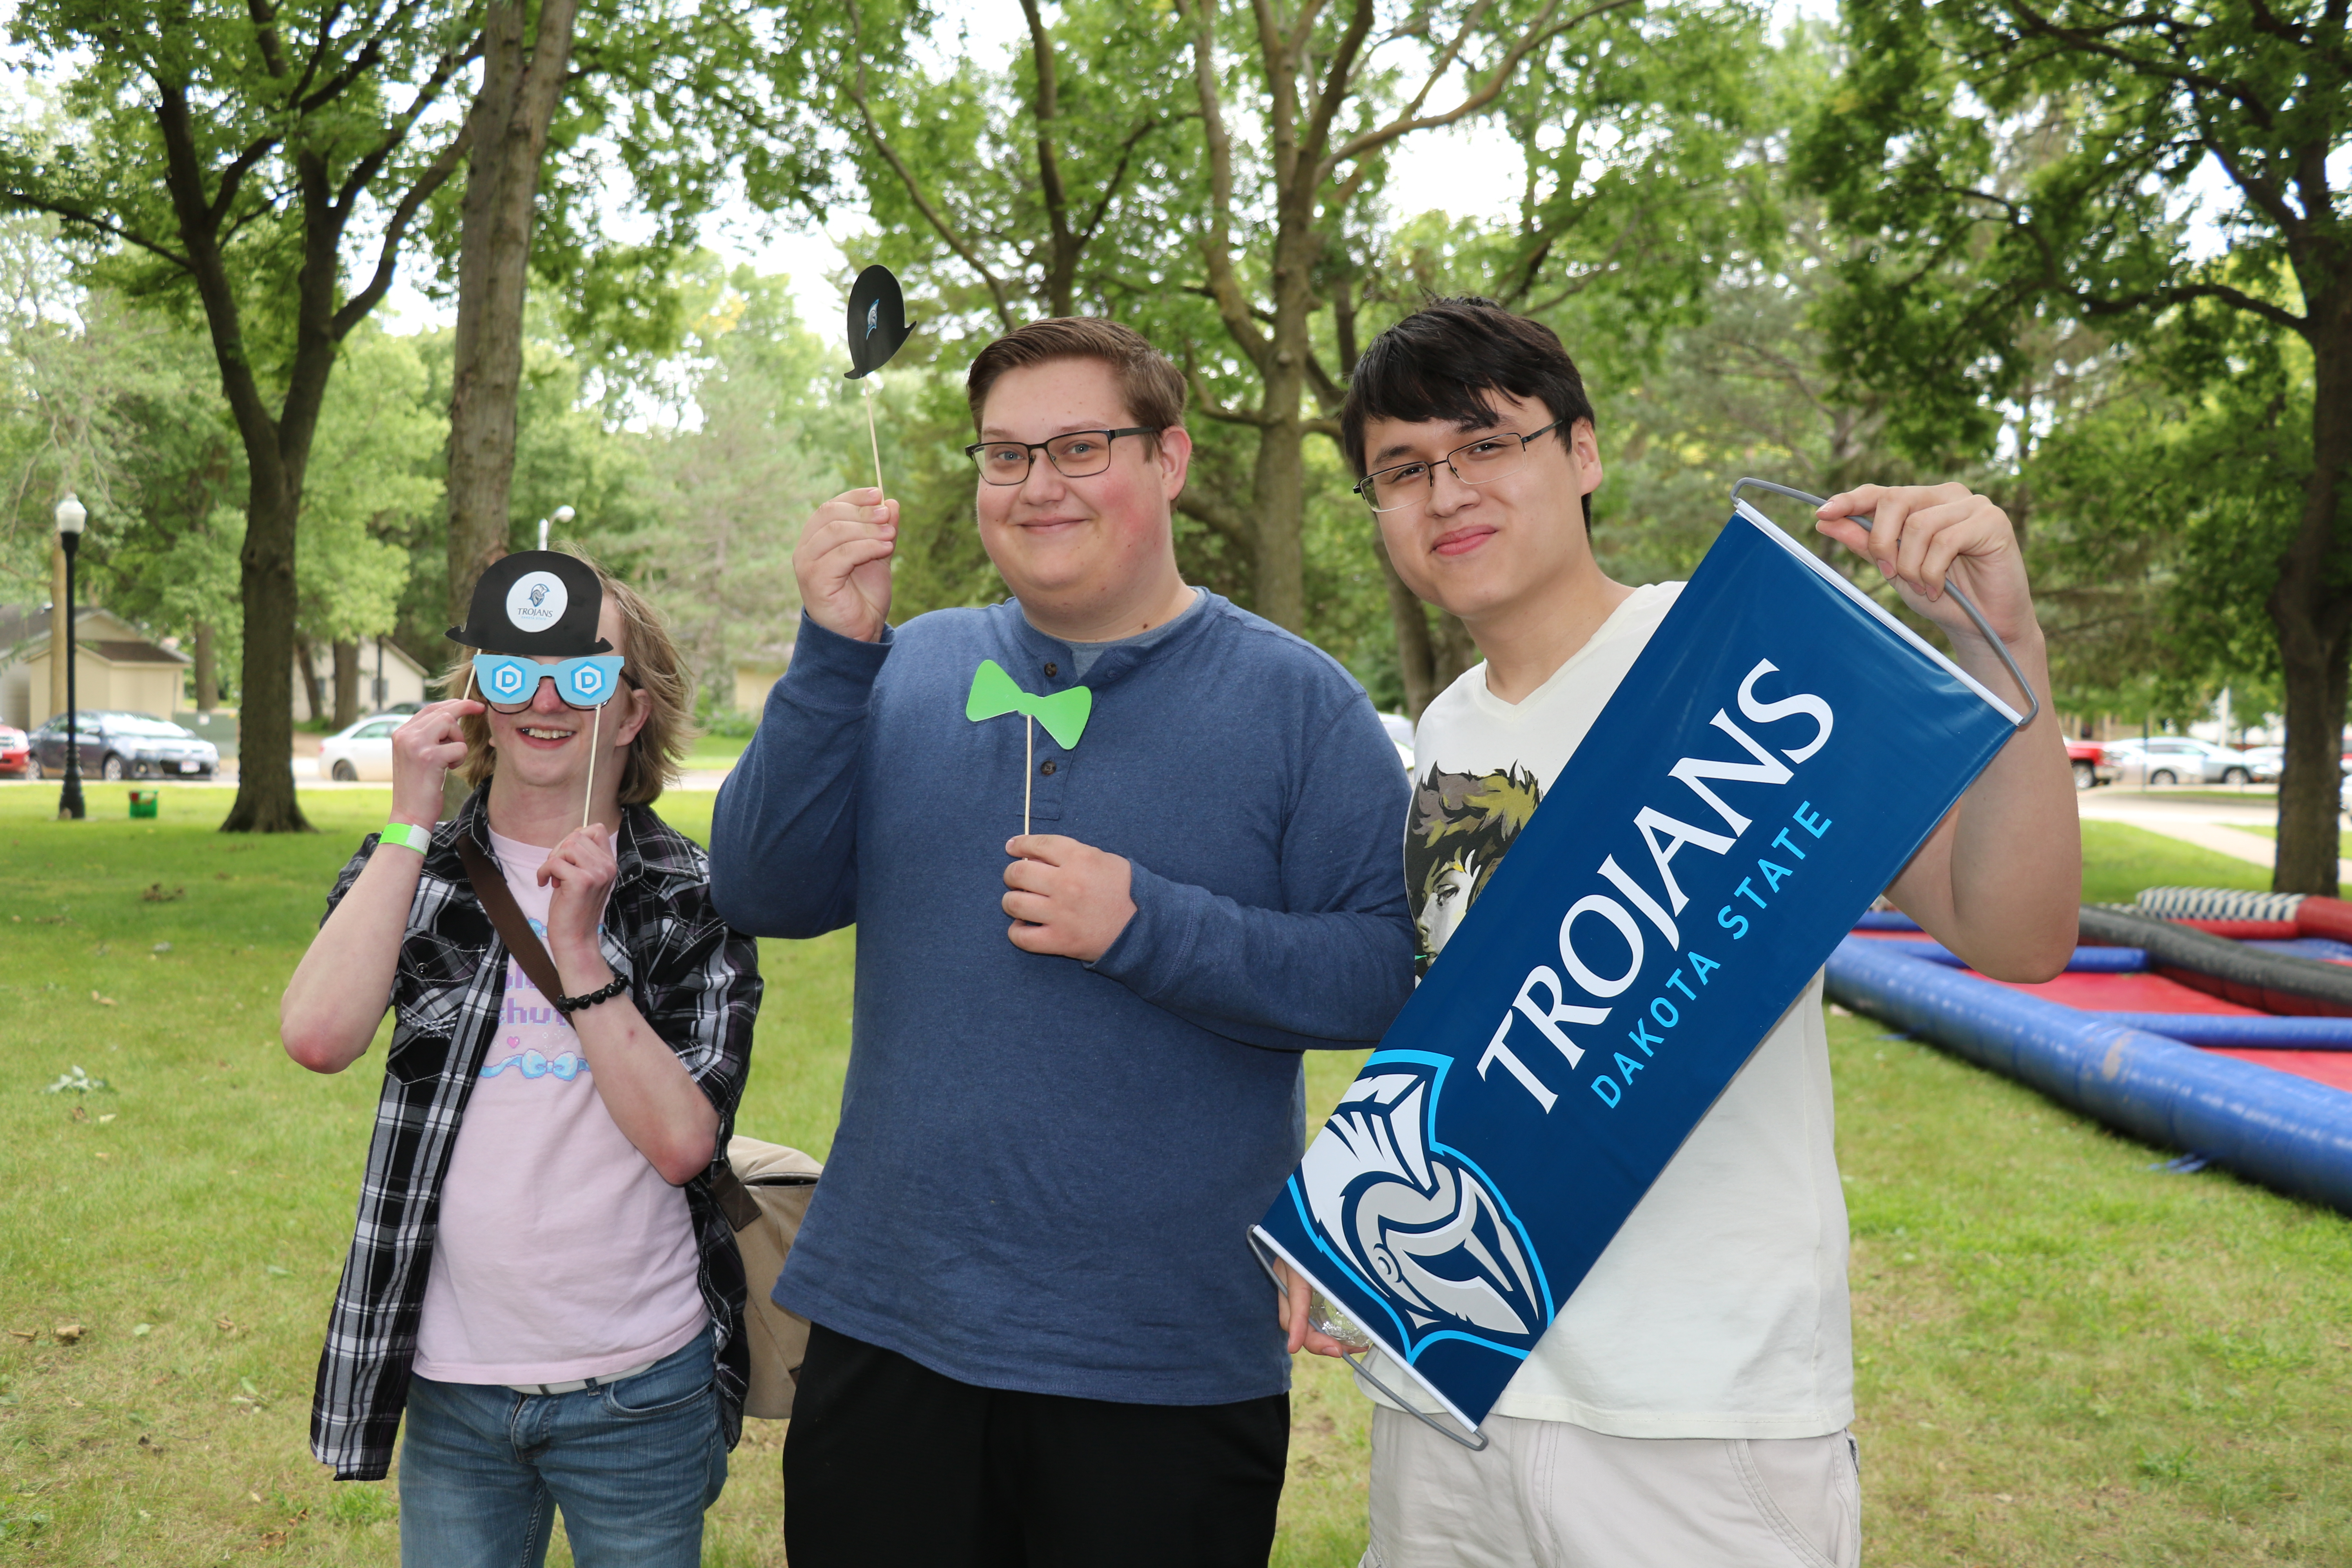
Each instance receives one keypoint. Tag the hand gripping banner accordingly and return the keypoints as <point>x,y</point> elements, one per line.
<point>1774,757</point>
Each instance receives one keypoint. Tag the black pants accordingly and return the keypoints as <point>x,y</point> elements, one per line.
<point>887,1462</point>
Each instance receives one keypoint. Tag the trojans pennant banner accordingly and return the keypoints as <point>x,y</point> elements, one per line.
<point>1774,757</point>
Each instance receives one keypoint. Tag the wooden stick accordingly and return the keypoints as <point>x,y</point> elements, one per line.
<point>1029,773</point>
<point>595,726</point>
<point>872,439</point>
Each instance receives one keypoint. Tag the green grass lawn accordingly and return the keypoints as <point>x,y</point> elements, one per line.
<point>2064,1356</point>
<point>716,750</point>
<point>2270,830</point>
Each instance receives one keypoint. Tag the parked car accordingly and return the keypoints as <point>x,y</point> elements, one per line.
<point>15,753</point>
<point>2176,759</point>
<point>123,746</point>
<point>360,751</point>
<point>2091,764</point>
<point>2263,762</point>
<point>1399,728</point>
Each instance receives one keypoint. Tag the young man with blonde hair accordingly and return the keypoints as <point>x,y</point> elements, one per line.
<point>1689,1405</point>
<point>540,1277</point>
<point>1075,1075</point>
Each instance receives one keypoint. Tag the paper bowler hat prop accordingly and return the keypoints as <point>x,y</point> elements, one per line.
<point>878,322</point>
<point>540,603</point>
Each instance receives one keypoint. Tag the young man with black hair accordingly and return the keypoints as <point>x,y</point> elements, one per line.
<point>1075,1073</point>
<point>1689,1405</point>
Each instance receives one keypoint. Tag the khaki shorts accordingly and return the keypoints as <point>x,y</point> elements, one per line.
<point>1554,1495</point>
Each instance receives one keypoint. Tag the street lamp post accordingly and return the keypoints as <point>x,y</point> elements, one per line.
<point>563,514</point>
<point>70,517</point>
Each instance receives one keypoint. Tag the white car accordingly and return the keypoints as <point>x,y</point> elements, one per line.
<point>2176,759</point>
<point>361,751</point>
<point>1399,728</point>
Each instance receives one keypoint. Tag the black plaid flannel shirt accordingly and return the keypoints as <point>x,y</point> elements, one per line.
<point>697,985</point>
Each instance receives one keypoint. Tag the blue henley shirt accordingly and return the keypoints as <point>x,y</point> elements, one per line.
<point>1046,1171</point>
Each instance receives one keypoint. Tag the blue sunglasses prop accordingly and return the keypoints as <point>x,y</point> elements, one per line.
<point>509,681</point>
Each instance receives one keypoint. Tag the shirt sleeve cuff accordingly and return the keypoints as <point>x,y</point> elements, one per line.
<point>1151,954</point>
<point>829,671</point>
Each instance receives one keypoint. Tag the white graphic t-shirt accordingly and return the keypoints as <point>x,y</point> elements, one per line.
<point>562,1253</point>
<point>1720,1310</point>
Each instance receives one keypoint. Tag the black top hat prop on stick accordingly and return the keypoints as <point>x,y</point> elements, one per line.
<point>877,325</point>
<point>541,604</point>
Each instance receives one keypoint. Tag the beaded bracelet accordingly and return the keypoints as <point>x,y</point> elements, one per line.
<point>567,1005</point>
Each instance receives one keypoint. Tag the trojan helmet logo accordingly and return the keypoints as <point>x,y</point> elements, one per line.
<point>536,601</point>
<point>1421,1226</point>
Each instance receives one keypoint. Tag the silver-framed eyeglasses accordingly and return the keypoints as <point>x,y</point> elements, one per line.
<point>1491,457</point>
<point>1076,455</point>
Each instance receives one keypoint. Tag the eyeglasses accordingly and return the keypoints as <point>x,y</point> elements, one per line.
<point>1479,462</point>
<point>1076,455</point>
<point>509,683</point>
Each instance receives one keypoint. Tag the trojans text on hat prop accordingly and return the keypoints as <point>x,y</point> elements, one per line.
<point>541,604</point>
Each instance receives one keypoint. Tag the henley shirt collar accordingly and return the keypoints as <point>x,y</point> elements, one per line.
<point>1118,659</point>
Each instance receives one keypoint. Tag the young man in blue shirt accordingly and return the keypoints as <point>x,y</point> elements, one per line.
<point>1041,1335</point>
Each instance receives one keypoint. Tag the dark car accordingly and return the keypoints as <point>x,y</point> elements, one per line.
<point>16,752</point>
<point>123,746</point>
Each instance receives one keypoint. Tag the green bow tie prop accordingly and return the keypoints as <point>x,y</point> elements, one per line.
<point>994,694</point>
<point>1064,714</point>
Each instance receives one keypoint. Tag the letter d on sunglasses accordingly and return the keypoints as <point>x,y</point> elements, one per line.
<point>510,682</point>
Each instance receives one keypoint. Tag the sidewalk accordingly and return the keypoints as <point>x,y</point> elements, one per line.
<point>2218,826</point>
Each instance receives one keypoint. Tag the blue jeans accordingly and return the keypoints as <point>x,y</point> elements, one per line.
<point>632,1465</point>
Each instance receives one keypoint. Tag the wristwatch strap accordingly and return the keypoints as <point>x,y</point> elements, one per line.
<point>408,835</point>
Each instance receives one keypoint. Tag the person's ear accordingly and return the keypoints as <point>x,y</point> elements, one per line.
<point>1586,446</point>
<point>1175,460</point>
<point>641,708</point>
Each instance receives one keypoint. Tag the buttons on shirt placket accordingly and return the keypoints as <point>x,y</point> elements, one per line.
<point>1049,784</point>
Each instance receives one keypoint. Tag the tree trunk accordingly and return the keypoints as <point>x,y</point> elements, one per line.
<point>2314,617</point>
<point>60,638</point>
<point>207,670</point>
<point>314,699</point>
<point>347,684</point>
<point>1417,660</point>
<point>520,83</point>
<point>1278,500</point>
<point>1279,484</point>
<point>265,727</point>
<point>1430,658</point>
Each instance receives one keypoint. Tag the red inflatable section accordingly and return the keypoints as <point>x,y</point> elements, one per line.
<point>2316,916</point>
<point>2331,1068</point>
<point>2128,993</point>
<point>2248,931</point>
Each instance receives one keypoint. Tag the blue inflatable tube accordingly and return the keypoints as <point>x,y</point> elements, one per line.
<point>2086,960</point>
<point>2260,1032</point>
<point>2274,1127</point>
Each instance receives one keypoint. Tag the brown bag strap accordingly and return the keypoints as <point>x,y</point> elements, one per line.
<point>735,1200</point>
<point>513,928</point>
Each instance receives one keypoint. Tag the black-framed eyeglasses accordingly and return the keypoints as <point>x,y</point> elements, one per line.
<point>1077,456</point>
<point>1491,457</point>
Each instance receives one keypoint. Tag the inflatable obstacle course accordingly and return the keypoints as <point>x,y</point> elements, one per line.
<point>2215,1022</point>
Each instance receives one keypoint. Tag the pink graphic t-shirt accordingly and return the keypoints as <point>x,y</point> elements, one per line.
<point>562,1253</point>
